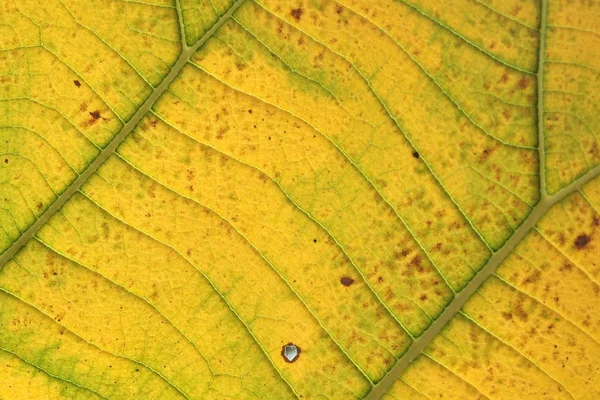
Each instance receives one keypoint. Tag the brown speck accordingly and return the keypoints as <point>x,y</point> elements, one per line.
<point>415,154</point>
<point>6,161</point>
<point>297,13</point>
<point>76,82</point>
<point>582,241</point>
<point>250,111</point>
<point>524,83</point>
<point>346,281</point>
<point>95,114</point>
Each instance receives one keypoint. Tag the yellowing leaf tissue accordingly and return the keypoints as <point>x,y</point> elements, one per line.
<point>305,199</point>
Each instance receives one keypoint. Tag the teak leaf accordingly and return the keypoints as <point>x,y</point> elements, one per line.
<point>307,199</point>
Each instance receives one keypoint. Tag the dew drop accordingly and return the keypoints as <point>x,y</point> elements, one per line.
<point>290,352</point>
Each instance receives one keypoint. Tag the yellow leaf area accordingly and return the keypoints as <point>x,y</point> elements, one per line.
<point>532,330</point>
<point>189,189</point>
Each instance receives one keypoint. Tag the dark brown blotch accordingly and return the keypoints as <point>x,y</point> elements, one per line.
<point>77,83</point>
<point>415,154</point>
<point>95,114</point>
<point>582,240</point>
<point>297,13</point>
<point>346,281</point>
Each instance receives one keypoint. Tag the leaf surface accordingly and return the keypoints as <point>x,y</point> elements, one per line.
<point>401,194</point>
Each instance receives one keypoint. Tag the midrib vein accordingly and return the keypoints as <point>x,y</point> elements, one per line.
<point>546,202</point>
<point>182,60</point>
<point>461,298</point>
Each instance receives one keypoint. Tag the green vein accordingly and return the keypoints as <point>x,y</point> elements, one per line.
<point>541,302</point>
<point>11,127</point>
<point>512,347</point>
<point>58,378</point>
<point>452,372</point>
<point>438,180</point>
<point>553,244</point>
<point>139,73</point>
<point>437,84</point>
<point>8,292</point>
<point>255,249</point>
<point>540,101</point>
<point>58,112</point>
<point>19,155</point>
<point>302,209</point>
<point>221,295</point>
<point>352,162</point>
<point>505,16</point>
<point>183,58</point>
<point>135,295</point>
<point>465,39</point>
<point>461,298</point>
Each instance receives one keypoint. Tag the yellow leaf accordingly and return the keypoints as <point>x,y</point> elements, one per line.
<point>311,199</point>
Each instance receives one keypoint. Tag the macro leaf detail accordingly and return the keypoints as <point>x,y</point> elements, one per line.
<point>266,199</point>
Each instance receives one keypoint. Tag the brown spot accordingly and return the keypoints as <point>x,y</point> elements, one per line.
<point>507,316</point>
<point>76,82</point>
<point>415,154</point>
<point>524,83</point>
<point>504,77</point>
<point>533,277</point>
<point>6,161</point>
<point>416,262</point>
<point>566,267</point>
<point>582,241</point>
<point>346,281</point>
<point>250,111</point>
<point>485,153</point>
<point>283,353</point>
<point>423,297</point>
<point>296,13</point>
<point>95,114</point>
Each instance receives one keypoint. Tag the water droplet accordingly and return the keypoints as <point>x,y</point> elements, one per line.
<point>290,352</point>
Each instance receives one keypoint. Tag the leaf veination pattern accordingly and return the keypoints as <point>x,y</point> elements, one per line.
<point>404,190</point>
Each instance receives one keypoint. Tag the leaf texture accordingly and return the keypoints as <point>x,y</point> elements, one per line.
<point>404,192</point>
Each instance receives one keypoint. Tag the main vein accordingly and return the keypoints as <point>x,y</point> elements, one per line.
<point>182,60</point>
<point>499,256</point>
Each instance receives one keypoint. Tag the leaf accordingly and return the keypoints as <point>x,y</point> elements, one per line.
<point>531,325</point>
<point>269,199</point>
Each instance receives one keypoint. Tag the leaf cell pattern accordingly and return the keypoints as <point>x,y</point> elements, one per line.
<point>406,191</point>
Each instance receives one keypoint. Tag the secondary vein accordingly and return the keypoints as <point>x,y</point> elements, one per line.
<point>182,60</point>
